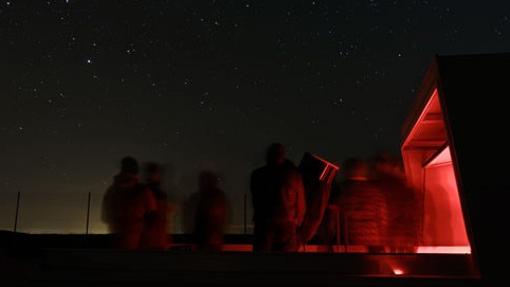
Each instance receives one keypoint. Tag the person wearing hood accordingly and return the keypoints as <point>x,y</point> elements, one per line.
<point>126,205</point>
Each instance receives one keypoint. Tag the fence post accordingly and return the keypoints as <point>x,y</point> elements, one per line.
<point>88,215</point>
<point>245,214</point>
<point>17,212</point>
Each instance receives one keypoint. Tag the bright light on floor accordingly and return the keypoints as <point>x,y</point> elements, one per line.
<point>398,271</point>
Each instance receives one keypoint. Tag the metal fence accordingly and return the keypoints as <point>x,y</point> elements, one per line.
<point>80,213</point>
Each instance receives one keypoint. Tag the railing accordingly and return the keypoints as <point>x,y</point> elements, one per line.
<point>80,213</point>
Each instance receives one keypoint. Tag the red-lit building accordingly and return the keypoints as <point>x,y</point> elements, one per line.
<point>455,152</point>
<point>427,154</point>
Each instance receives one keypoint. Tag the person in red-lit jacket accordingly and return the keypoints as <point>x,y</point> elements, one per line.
<point>155,235</point>
<point>278,197</point>
<point>362,207</point>
<point>126,206</point>
<point>404,210</point>
<point>210,213</point>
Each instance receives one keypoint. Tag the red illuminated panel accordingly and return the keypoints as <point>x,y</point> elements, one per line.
<point>430,171</point>
<point>444,249</point>
<point>443,221</point>
<point>443,157</point>
<point>429,130</point>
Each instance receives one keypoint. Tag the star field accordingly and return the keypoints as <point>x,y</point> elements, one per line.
<point>209,84</point>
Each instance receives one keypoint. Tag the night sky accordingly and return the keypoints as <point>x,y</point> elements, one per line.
<point>208,85</point>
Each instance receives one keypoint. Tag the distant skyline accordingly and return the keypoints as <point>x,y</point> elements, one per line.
<point>209,84</point>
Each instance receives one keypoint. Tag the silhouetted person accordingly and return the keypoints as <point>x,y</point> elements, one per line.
<point>155,229</point>
<point>126,205</point>
<point>403,207</point>
<point>278,201</point>
<point>210,213</point>
<point>362,208</point>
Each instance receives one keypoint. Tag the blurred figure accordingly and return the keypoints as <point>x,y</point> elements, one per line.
<point>403,208</point>
<point>155,229</point>
<point>126,205</point>
<point>278,201</point>
<point>210,213</point>
<point>362,208</point>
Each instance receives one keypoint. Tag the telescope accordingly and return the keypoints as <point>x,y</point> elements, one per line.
<point>318,175</point>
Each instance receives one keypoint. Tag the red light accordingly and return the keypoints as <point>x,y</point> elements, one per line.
<point>398,271</point>
<point>427,156</point>
<point>444,250</point>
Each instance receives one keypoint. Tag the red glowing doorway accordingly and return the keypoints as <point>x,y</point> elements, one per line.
<point>428,163</point>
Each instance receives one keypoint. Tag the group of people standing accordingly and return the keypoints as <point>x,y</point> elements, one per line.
<point>372,207</point>
<point>136,211</point>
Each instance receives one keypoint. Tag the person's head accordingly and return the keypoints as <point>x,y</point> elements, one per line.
<point>356,169</point>
<point>153,172</point>
<point>387,165</point>
<point>129,165</point>
<point>275,154</point>
<point>208,179</point>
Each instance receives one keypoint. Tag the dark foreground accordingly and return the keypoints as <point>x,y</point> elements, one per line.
<point>23,262</point>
